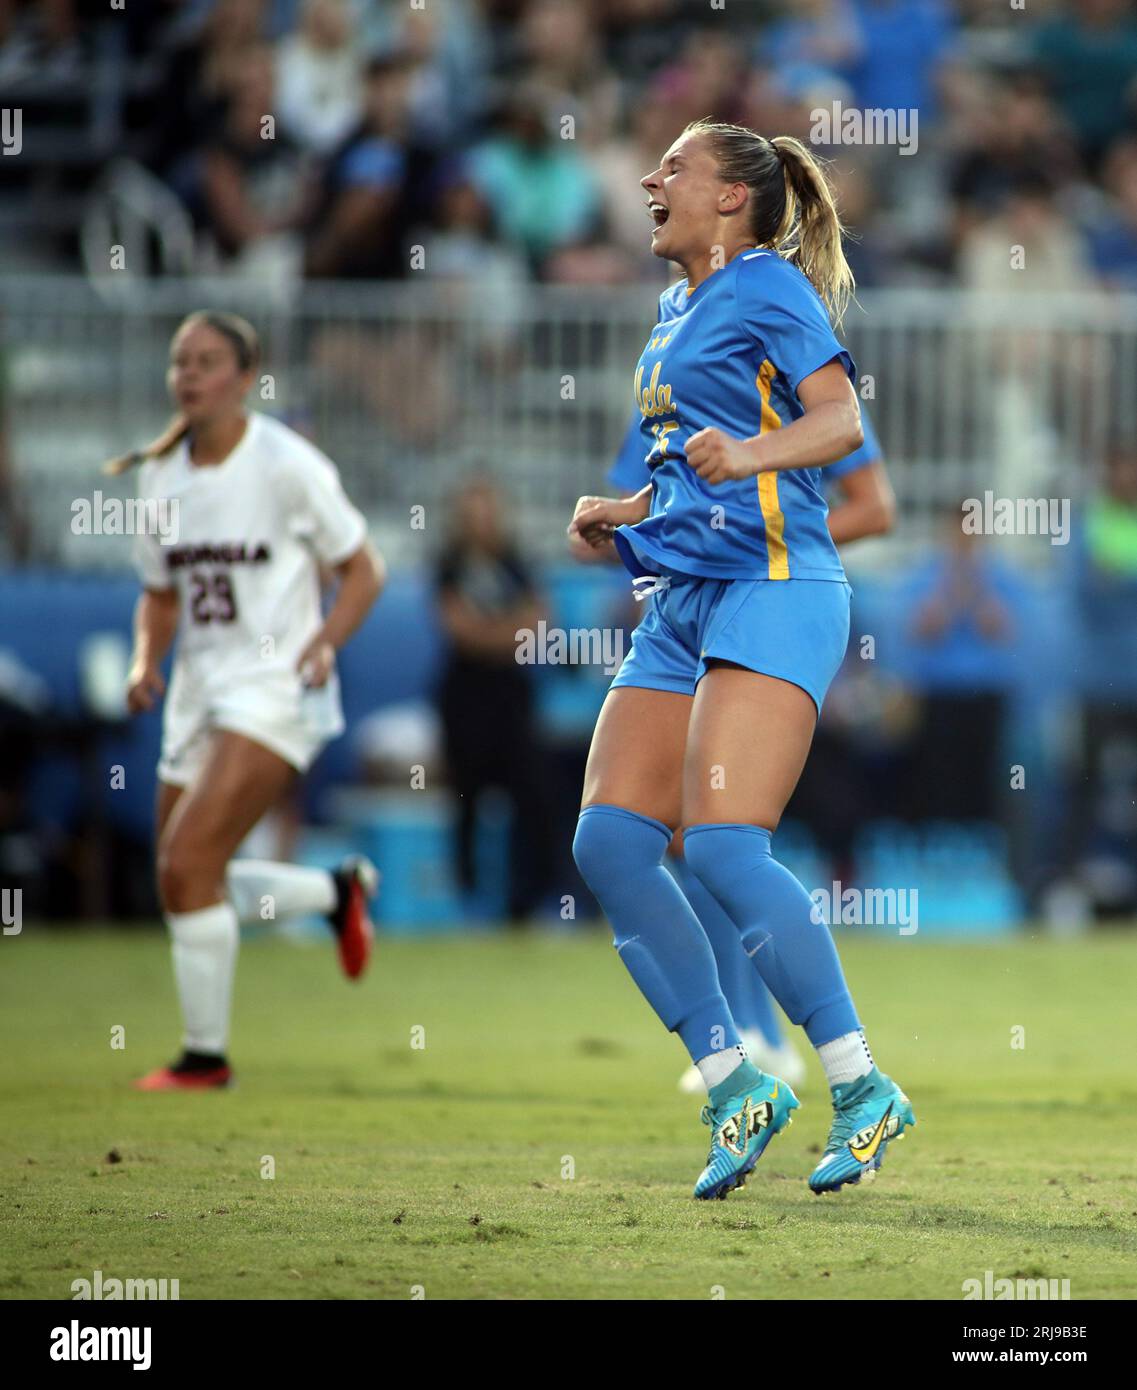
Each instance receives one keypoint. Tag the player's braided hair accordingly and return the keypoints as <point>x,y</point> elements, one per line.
<point>246,347</point>
<point>792,209</point>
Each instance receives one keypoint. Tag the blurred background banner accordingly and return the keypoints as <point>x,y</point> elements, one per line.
<point>431,212</point>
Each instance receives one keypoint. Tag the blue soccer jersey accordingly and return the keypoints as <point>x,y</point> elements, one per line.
<point>630,473</point>
<point>732,354</point>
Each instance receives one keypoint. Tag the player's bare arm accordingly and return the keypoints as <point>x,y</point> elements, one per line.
<point>360,579</point>
<point>595,518</point>
<point>155,625</point>
<point>867,506</point>
<point>829,430</point>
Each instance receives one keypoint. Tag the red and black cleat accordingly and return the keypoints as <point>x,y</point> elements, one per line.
<point>356,881</point>
<point>191,1072</point>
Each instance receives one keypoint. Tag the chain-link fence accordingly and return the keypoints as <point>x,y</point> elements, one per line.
<point>411,386</point>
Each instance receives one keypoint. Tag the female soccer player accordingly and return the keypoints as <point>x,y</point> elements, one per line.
<point>744,393</point>
<point>860,505</point>
<point>254,695</point>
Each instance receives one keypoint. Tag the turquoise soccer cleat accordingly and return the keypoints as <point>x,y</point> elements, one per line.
<point>741,1127</point>
<point>868,1113</point>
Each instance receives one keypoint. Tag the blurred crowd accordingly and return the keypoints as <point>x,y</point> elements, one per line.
<point>505,139</point>
<point>501,142</point>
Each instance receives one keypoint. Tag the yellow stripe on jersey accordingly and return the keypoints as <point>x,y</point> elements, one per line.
<point>777,556</point>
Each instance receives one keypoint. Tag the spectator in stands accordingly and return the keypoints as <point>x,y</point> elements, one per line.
<point>254,184</point>
<point>359,229</point>
<point>868,245</point>
<point>203,70</point>
<point>816,38</point>
<point>319,77</point>
<point>1088,54</point>
<point>461,253</point>
<point>1006,129</point>
<point>539,187</point>
<point>904,48</point>
<point>39,38</point>
<point>1054,256</point>
<point>449,43</point>
<point>561,56</point>
<point>1096,851</point>
<point>707,79</point>
<point>628,152</point>
<point>1113,242</point>
<point>486,594</point>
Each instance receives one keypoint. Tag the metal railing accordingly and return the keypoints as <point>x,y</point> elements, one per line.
<point>409,387</point>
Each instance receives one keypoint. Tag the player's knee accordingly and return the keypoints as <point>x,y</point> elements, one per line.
<point>186,875</point>
<point>715,853</point>
<point>611,841</point>
<point>591,847</point>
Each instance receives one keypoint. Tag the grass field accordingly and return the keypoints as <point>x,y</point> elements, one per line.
<point>447,1166</point>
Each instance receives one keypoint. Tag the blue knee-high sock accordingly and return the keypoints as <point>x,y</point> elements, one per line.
<point>658,937</point>
<point>742,986</point>
<point>776,920</point>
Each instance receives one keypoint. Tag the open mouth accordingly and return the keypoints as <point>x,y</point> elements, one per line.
<point>658,213</point>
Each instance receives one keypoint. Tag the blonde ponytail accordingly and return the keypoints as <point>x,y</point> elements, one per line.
<point>811,227</point>
<point>165,444</point>
<point>792,209</point>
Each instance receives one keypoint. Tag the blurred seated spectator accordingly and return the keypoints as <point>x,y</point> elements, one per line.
<point>253,178</point>
<point>633,149</point>
<point>204,68</point>
<point>540,189</point>
<point>462,247</point>
<point>867,243</point>
<point>1088,55</point>
<point>486,594</point>
<point>814,37</point>
<point>560,54</point>
<point>1007,130</point>
<point>1113,242</point>
<point>449,43</point>
<point>461,252</point>
<point>707,79</point>
<point>319,77</point>
<point>358,230</point>
<point>904,47</point>
<point>39,38</point>
<point>1054,255</point>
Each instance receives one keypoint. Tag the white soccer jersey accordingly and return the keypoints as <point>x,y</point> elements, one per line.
<point>248,538</point>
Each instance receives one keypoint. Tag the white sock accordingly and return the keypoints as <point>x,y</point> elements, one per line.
<point>262,891</point>
<point>717,1066</point>
<point>846,1058</point>
<point>205,961</point>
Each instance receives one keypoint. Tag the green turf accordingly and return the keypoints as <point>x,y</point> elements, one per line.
<point>537,1145</point>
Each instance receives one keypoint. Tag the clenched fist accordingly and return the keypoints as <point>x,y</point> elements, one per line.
<point>717,458</point>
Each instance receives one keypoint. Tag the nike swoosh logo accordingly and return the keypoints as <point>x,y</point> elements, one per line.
<point>774,1092</point>
<point>863,1155</point>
